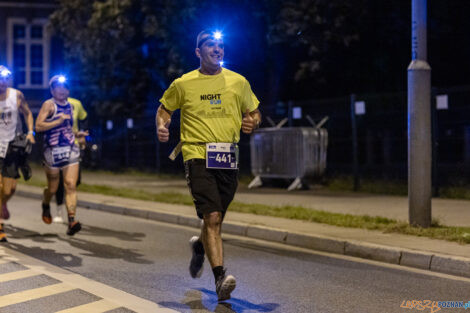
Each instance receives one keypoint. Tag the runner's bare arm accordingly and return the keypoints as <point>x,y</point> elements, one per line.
<point>28,116</point>
<point>47,109</point>
<point>163,120</point>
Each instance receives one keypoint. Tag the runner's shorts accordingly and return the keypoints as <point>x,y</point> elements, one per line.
<point>10,163</point>
<point>60,157</point>
<point>212,189</point>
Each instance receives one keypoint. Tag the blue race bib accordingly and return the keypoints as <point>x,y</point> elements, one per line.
<point>221,155</point>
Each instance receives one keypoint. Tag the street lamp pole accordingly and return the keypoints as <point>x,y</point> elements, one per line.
<point>419,120</point>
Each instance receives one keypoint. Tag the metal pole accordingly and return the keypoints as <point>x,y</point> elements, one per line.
<point>419,121</point>
<point>435,144</point>
<point>354,142</point>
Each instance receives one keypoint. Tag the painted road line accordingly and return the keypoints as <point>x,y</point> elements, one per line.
<point>113,295</point>
<point>33,294</point>
<point>17,275</point>
<point>93,307</point>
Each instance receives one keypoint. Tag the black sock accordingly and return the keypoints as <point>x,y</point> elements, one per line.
<point>199,247</point>
<point>218,272</point>
<point>71,219</point>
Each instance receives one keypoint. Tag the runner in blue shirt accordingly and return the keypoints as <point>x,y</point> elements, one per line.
<point>60,150</point>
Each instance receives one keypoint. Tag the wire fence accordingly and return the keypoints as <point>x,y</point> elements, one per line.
<point>119,143</point>
<point>382,131</point>
<point>131,143</point>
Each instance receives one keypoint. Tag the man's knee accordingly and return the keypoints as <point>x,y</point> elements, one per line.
<point>8,192</point>
<point>70,185</point>
<point>212,220</point>
<point>52,190</point>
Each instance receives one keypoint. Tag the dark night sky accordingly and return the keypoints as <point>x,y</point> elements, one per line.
<point>376,63</point>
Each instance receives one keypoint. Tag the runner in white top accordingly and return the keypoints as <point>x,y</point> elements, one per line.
<point>11,101</point>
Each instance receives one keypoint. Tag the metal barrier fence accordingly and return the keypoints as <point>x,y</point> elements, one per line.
<point>382,133</point>
<point>292,153</point>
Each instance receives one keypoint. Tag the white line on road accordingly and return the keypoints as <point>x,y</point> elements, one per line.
<point>281,246</point>
<point>17,275</point>
<point>93,307</point>
<point>32,294</point>
<point>75,281</point>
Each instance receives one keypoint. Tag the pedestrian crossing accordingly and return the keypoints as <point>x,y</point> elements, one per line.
<point>30,285</point>
<point>33,294</point>
<point>94,307</point>
<point>17,275</point>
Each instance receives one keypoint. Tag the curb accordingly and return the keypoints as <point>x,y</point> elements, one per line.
<point>447,264</point>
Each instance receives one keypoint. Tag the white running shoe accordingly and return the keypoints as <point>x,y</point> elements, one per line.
<point>224,287</point>
<point>196,265</point>
<point>59,213</point>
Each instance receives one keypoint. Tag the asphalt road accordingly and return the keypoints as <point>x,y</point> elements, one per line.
<point>150,260</point>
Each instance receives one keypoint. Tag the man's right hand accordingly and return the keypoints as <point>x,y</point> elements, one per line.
<point>163,133</point>
<point>62,117</point>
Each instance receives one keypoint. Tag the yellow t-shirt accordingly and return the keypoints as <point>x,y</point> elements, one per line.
<point>212,108</point>
<point>79,113</point>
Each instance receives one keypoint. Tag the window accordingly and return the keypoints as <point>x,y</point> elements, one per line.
<point>28,52</point>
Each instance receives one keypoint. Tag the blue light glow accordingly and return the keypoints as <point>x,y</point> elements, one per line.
<point>221,63</point>
<point>62,79</point>
<point>5,73</point>
<point>217,35</point>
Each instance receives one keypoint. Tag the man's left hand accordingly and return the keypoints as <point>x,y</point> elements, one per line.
<point>248,123</point>
<point>82,134</point>
<point>30,138</point>
<point>81,138</point>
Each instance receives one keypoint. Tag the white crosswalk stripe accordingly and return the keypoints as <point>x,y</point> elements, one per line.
<point>111,298</point>
<point>32,294</point>
<point>17,275</point>
<point>93,307</point>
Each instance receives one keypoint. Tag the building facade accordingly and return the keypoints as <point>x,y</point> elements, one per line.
<point>28,48</point>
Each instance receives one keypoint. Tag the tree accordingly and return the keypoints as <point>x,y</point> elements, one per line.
<point>117,50</point>
<point>313,28</point>
<point>123,53</point>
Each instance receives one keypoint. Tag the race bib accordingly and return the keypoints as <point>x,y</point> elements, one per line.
<point>221,156</point>
<point>3,149</point>
<point>60,154</point>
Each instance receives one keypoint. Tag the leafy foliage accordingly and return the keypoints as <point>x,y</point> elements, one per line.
<point>117,50</point>
<point>315,27</point>
<point>123,53</point>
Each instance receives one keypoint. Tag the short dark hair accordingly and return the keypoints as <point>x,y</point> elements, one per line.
<point>200,37</point>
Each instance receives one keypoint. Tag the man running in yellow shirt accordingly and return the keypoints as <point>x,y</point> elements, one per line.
<point>215,104</point>
<point>80,124</point>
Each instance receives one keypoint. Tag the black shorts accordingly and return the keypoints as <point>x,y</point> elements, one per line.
<point>10,164</point>
<point>212,189</point>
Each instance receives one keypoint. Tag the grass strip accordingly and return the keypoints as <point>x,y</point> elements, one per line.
<point>346,183</point>
<point>386,225</point>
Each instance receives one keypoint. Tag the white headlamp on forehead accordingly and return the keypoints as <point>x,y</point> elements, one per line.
<point>58,80</point>
<point>4,72</point>
<point>217,35</point>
